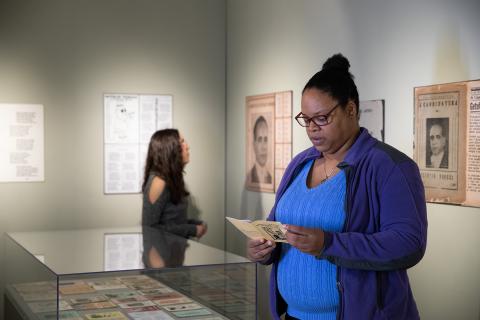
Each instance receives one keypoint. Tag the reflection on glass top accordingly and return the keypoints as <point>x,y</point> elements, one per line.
<point>115,249</point>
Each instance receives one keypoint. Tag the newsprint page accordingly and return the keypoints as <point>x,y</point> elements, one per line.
<point>447,141</point>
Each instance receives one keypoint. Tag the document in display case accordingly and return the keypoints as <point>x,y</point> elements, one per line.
<point>176,278</point>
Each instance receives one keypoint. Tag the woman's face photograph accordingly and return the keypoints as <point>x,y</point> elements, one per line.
<point>328,138</point>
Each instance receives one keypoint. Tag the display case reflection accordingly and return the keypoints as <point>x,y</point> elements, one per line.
<point>151,248</point>
<point>162,249</point>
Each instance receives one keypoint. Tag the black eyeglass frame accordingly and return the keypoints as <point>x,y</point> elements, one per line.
<point>307,120</point>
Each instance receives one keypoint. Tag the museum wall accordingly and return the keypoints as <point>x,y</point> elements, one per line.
<point>65,55</point>
<point>393,46</point>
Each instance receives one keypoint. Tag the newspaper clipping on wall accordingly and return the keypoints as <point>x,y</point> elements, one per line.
<point>473,144</point>
<point>446,146</point>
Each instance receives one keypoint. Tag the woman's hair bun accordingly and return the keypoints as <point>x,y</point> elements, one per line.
<point>337,61</point>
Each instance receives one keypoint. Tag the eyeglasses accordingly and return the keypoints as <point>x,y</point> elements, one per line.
<point>320,120</point>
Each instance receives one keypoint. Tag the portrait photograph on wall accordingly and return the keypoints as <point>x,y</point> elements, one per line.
<point>436,153</point>
<point>268,139</point>
<point>446,148</point>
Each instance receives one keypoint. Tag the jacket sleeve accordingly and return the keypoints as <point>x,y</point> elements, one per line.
<point>399,239</point>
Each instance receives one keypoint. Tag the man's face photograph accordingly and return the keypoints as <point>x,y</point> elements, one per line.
<point>260,143</point>
<point>437,139</point>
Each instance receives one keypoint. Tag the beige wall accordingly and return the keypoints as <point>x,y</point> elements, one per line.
<point>393,46</point>
<point>65,54</point>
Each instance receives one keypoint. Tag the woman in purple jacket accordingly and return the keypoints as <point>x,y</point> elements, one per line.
<point>355,214</point>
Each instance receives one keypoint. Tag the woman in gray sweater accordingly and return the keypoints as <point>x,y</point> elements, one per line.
<point>164,193</point>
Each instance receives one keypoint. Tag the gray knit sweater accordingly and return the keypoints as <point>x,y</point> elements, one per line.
<point>166,215</point>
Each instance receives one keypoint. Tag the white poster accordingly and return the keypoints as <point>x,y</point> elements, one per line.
<point>21,143</point>
<point>372,117</point>
<point>130,121</point>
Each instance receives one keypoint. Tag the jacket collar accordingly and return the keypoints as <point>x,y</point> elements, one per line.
<point>362,144</point>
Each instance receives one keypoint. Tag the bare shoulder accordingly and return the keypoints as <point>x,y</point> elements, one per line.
<point>156,189</point>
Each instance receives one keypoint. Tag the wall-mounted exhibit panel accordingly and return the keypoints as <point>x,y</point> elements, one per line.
<point>21,142</point>
<point>130,121</point>
<point>447,141</point>
<point>269,139</point>
<point>372,117</point>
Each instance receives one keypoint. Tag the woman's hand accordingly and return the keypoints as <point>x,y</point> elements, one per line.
<point>307,240</point>
<point>259,250</point>
<point>201,229</point>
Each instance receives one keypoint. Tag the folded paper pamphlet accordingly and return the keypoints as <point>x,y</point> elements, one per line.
<point>269,230</point>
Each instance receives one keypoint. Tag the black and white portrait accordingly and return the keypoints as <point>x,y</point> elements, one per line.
<point>437,143</point>
<point>260,173</point>
<point>260,140</point>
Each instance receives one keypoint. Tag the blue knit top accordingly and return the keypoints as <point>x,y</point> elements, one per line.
<point>306,283</point>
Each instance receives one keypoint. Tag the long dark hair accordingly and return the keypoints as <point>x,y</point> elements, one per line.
<point>164,159</point>
<point>336,80</point>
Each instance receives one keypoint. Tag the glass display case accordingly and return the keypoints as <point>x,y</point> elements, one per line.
<point>124,273</point>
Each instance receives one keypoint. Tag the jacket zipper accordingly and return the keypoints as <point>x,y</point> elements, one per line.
<point>379,277</point>
<point>340,294</point>
<point>347,171</point>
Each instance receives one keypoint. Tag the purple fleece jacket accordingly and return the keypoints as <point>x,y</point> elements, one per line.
<point>385,232</point>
